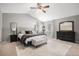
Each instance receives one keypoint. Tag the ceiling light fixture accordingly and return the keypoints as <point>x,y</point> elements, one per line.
<point>41,7</point>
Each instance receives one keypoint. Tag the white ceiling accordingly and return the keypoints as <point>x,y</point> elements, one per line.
<point>55,11</point>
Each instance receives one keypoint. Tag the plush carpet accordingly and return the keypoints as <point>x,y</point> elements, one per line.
<point>52,48</point>
<point>8,49</point>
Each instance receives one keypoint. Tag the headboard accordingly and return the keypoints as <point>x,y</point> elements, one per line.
<point>23,30</point>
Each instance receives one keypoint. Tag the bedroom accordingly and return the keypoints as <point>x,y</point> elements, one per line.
<point>19,18</point>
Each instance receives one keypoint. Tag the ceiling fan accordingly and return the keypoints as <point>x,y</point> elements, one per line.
<point>41,6</point>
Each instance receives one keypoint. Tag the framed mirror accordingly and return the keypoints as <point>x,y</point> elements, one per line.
<point>66,26</point>
<point>13,27</point>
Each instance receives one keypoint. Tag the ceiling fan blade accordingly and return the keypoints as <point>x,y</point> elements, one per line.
<point>46,6</point>
<point>43,10</point>
<point>33,7</point>
<point>39,4</point>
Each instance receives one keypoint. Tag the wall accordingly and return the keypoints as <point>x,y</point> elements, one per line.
<point>49,28</point>
<point>0,26</point>
<point>71,18</point>
<point>24,21</point>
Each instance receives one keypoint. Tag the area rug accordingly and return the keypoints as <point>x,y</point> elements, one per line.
<point>8,49</point>
<point>52,48</point>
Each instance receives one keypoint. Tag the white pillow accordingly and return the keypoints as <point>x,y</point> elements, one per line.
<point>20,35</point>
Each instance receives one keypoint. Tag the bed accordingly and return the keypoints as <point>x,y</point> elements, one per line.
<point>33,39</point>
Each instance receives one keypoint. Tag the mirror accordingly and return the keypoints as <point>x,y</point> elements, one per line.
<point>66,26</point>
<point>13,27</point>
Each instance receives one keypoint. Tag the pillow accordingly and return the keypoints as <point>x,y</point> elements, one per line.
<point>28,32</point>
<point>20,35</point>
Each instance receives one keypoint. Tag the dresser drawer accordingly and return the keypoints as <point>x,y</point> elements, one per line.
<point>13,38</point>
<point>66,35</point>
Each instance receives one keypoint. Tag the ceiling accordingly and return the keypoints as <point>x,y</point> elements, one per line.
<point>55,11</point>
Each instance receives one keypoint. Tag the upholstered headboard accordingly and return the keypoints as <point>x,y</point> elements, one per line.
<point>25,30</point>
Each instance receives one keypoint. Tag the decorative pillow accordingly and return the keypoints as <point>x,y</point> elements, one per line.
<point>28,32</point>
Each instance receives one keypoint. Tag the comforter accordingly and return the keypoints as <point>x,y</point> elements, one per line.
<point>25,38</point>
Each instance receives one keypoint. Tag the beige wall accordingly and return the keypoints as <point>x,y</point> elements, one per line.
<point>0,26</point>
<point>24,22</point>
<point>54,26</point>
<point>71,18</point>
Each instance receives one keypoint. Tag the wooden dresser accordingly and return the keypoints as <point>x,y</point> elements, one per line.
<point>66,35</point>
<point>13,38</point>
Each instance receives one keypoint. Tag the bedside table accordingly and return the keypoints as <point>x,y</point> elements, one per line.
<point>13,38</point>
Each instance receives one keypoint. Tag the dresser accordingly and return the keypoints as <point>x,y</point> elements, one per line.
<point>66,35</point>
<point>13,38</point>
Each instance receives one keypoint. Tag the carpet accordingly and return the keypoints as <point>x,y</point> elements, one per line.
<point>8,49</point>
<point>52,48</point>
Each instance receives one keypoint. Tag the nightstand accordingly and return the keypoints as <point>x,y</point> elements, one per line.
<point>13,38</point>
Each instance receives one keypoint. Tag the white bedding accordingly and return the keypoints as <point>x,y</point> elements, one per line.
<point>36,40</point>
<point>20,35</point>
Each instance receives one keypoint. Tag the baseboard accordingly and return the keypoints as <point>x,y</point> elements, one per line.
<point>77,42</point>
